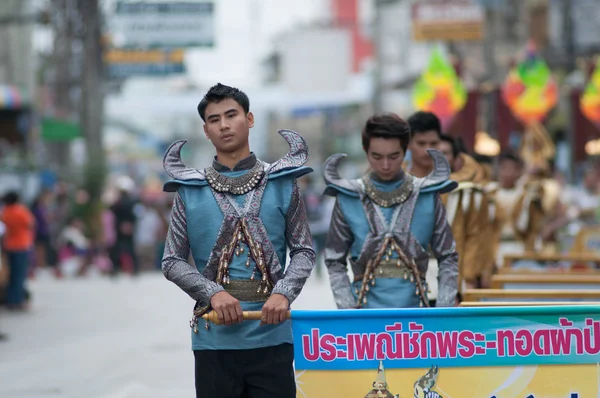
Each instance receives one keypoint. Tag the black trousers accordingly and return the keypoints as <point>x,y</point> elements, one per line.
<point>258,373</point>
<point>123,246</point>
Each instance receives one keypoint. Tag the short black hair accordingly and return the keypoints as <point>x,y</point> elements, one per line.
<point>388,126</point>
<point>510,156</point>
<point>422,122</point>
<point>450,140</point>
<point>10,198</point>
<point>483,159</point>
<point>218,93</point>
<point>460,145</point>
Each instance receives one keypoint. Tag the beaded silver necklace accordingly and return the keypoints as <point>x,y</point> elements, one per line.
<point>236,185</point>
<point>388,199</point>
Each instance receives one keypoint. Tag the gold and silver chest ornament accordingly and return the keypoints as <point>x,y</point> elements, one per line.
<point>241,235</point>
<point>240,238</point>
<point>388,248</point>
<point>236,185</point>
<point>388,199</point>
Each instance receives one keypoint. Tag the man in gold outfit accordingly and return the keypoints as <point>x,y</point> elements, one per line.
<point>467,209</point>
<point>525,203</point>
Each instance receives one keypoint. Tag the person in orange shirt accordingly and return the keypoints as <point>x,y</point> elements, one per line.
<point>17,244</point>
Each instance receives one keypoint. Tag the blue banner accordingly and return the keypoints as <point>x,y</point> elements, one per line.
<point>448,337</point>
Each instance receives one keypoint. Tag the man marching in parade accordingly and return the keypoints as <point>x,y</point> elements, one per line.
<point>238,217</point>
<point>386,221</point>
<point>523,207</point>
<point>467,209</point>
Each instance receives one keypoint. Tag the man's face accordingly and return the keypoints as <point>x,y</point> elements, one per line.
<point>509,173</point>
<point>385,157</point>
<point>420,143</point>
<point>446,148</point>
<point>227,126</point>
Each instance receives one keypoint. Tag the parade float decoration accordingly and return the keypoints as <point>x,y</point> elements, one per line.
<point>439,89</point>
<point>590,100</point>
<point>530,93</point>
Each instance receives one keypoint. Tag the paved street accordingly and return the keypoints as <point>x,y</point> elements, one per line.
<point>101,338</point>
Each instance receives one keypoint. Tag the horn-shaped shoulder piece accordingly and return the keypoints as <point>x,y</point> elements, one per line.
<point>175,167</point>
<point>332,176</point>
<point>440,173</point>
<point>297,155</point>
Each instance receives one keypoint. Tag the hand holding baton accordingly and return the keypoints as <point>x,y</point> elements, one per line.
<point>213,317</point>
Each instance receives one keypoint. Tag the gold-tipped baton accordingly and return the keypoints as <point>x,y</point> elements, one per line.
<point>246,315</point>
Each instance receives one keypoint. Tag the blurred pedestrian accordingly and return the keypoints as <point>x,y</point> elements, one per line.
<point>125,222</point>
<point>2,271</point>
<point>17,242</point>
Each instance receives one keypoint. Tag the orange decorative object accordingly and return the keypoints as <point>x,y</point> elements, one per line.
<point>590,100</point>
<point>529,90</point>
<point>439,89</point>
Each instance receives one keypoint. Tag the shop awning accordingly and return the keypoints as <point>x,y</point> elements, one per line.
<point>11,97</point>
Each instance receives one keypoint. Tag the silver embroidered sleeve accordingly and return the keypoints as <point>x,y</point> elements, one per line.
<point>302,254</point>
<point>175,264</point>
<point>444,250</point>
<point>339,242</point>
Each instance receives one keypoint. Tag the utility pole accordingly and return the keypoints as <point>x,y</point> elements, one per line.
<point>92,111</point>
<point>62,59</point>
<point>489,50</point>
<point>92,96</point>
<point>378,32</point>
<point>569,35</point>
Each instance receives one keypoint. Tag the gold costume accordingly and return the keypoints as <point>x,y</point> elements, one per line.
<point>542,192</point>
<point>467,209</point>
<point>537,147</point>
<point>518,215</point>
<point>542,198</point>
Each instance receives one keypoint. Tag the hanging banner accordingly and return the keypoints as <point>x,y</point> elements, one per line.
<point>128,63</point>
<point>447,20</point>
<point>439,89</point>
<point>495,352</point>
<point>163,24</point>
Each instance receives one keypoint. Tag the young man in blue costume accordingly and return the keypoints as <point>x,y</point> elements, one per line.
<point>385,222</point>
<point>238,217</point>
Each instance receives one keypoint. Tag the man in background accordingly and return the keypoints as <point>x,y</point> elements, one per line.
<point>2,270</point>
<point>17,243</point>
<point>467,210</point>
<point>125,221</point>
<point>426,130</point>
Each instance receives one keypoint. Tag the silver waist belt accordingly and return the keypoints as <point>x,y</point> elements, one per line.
<point>247,290</point>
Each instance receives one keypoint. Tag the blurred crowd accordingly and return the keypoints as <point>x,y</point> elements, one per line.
<point>52,237</point>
